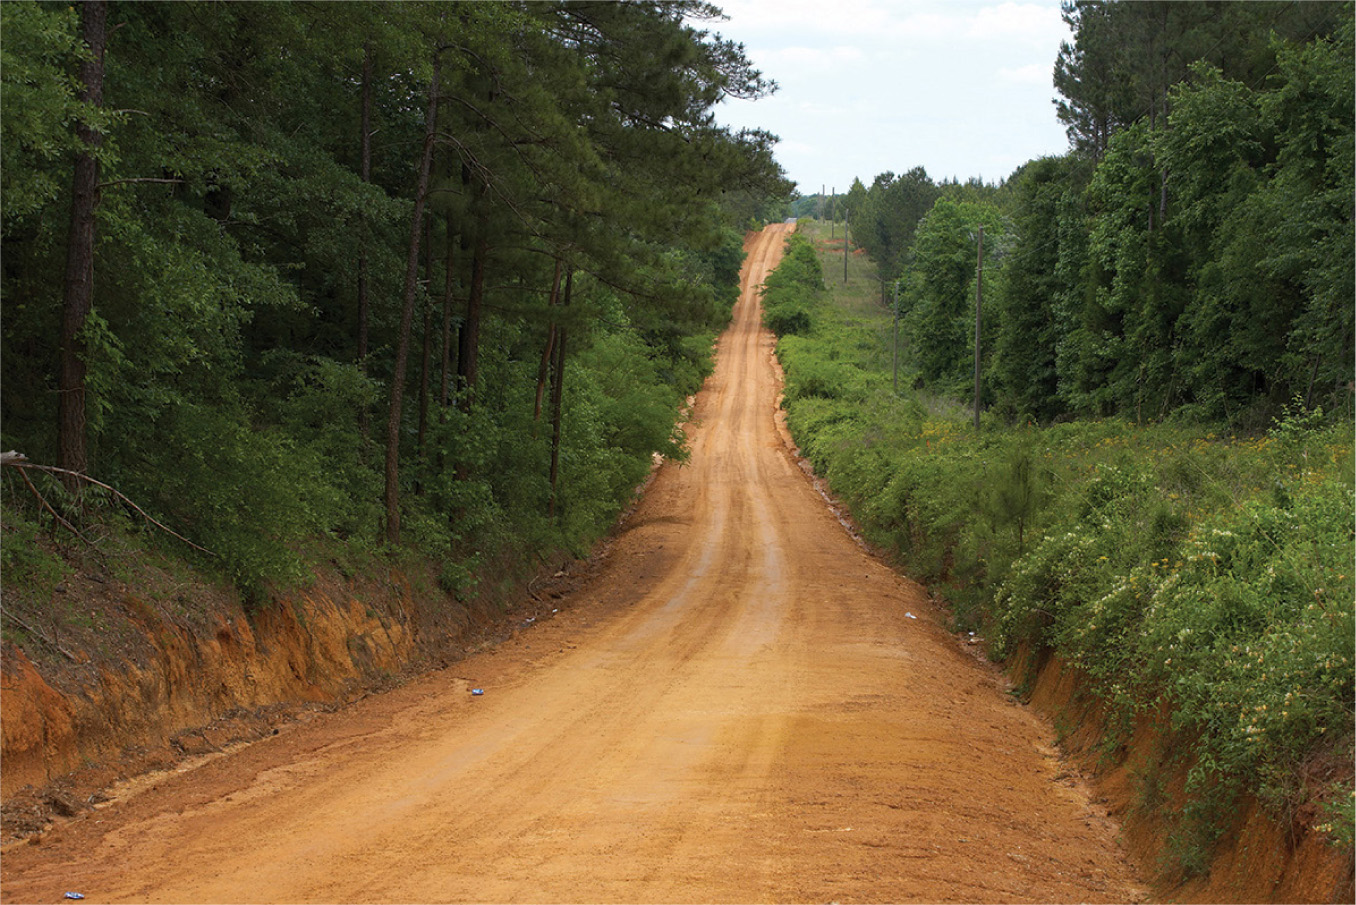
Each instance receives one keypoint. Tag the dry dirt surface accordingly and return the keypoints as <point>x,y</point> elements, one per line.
<point>740,704</point>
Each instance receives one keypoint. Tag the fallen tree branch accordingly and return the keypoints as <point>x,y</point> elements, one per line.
<point>40,635</point>
<point>42,501</point>
<point>20,461</point>
<point>61,520</point>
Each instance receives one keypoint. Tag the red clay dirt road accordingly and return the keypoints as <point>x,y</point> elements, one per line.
<point>736,707</point>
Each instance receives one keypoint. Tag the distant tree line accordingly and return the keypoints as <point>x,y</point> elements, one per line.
<point>405,273</point>
<point>1191,254</point>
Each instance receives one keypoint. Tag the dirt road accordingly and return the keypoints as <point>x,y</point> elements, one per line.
<point>737,707</point>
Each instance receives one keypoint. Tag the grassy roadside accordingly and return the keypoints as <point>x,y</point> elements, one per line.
<point>1180,569</point>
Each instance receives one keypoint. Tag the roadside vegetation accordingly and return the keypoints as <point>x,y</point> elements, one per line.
<point>1160,490</point>
<point>1180,567</point>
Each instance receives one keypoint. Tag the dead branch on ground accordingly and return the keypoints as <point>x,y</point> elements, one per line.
<point>20,461</point>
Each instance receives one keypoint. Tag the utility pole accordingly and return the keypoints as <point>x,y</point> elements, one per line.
<point>896,339</point>
<point>979,292</point>
<point>833,213</point>
<point>845,245</point>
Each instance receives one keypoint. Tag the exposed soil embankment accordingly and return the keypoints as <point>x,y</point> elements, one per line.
<point>1258,859</point>
<point>142,681</point>
<point>313,646</point>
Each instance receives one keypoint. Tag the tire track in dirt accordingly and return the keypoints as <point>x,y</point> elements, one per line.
<point>734,708</point>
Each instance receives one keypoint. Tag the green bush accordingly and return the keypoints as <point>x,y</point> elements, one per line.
<point>791,291</point>
<point>24,561</point>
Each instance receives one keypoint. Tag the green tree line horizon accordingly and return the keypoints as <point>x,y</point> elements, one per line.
<point>1191,254</point>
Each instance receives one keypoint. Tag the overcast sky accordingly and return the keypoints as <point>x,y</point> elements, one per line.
<point>959,87</point>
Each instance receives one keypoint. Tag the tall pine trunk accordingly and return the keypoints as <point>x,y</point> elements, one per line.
<point>392,493</point>
<point>79,288</point>
<point>558,400</point>
<point>468,357</point>
<point>445,387</point>
<point>548,353</point>
<point>365,172</point>
<point>426,353</point>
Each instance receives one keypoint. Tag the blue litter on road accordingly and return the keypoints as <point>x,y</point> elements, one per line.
<point>74,895</point>
<point>477,691</point>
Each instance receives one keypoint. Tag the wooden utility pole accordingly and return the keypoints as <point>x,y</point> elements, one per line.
<point>896,340</point>
<point>845,245</point>
<point>833,212</point>
<point>979,293</point>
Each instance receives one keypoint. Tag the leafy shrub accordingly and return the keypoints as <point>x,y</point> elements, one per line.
<point>810,373</point>
<point>791,291</point>
<point>24,561</point>
<point>787,318</point>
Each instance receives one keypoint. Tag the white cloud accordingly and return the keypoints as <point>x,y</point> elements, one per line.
<point>1032,74</point>
<point>809,57</point>
<point>961,87</point>
<point>801,148</point>
<point>924,26</point>
<point>892,20</point>
<point>1019,22</point>
<point>811,18</point>
<point>820,108</point>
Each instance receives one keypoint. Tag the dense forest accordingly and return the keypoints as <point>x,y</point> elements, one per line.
<point>393,276</point>
<point>1190,256</point>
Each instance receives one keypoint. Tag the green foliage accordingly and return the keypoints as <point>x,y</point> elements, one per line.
<point>1192,257</point>
<point>791,291</point>
<point>938,297</point>
<point>234,386</point>
<point>458,578</point>
<point>1025,365</point>
<point>810,373</point>
<point>1209,575</point>
<point>40,106</point>
<point>1340,811</point>
<point>247,495</point>
<point>1125,56</point>
<point>25,561</point>
<point>889,215</point>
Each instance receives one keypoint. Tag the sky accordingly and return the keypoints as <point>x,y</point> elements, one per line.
<point>959,87</point>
